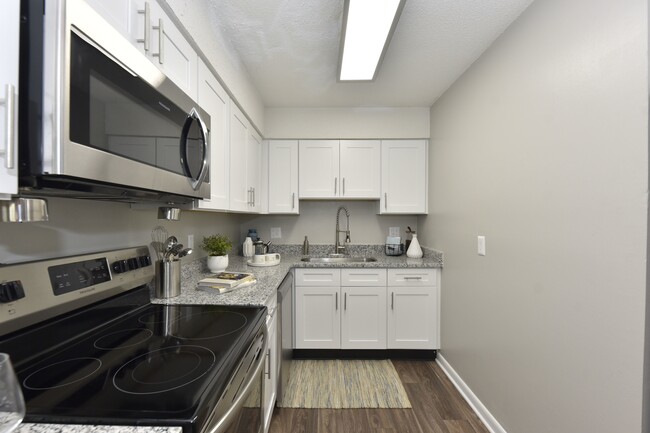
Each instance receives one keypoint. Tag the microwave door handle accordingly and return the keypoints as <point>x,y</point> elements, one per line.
<point>198,180</point>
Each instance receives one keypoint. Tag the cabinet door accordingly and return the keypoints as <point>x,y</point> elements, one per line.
<point>214,99</point>
<point>9,34</point>
<point>172,53</point>
<point>240,196</point>
<point>283,176</point>
<point>318,318</point>
<point>156,36</point>
<point>403,177</point>
<point>360,168</point>
<point>363,319</point>
<point>270,374</point>
<point>253,168</point>
<point>318,168</point>
<point>116,12</point>
<point>413,318</point>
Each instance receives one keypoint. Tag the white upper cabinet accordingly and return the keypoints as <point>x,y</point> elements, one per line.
<point>339,169</point>
<point>147,26</point>
<point>172,53</point>
<point>253,169</point>
<point>283,176</point>
<point>318,168</point>
<point>359,169</point>
<point>245,166</point>
<point>403,177</point>
<point>9,34</point>
<point>116,12</point>
<point>240,197</point>
<point>214,99</point>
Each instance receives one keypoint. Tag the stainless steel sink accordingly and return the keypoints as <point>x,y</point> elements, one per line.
<point>347,259</point>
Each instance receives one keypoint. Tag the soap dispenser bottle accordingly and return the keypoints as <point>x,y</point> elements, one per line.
<point>247,248</point>
<point>414,251</point>
<point>305,247</point>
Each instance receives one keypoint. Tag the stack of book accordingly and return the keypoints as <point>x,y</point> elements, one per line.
<point>226,281</point>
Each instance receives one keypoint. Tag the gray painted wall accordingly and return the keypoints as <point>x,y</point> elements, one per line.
<point>317,220</point>
<point>80,226</point>
<point>542,146</point>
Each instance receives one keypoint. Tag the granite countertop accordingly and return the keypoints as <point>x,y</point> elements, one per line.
<point>268,281</point>
<point>269,278</point>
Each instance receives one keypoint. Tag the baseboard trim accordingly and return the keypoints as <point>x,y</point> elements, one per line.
<point>483,413</point>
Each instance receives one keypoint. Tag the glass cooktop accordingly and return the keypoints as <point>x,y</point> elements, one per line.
<point>155,365</point>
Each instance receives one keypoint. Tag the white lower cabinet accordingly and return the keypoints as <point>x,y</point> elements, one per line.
<point>363,321</point>
<point>367,308</point>
<point>413,309</point>
<point>317,317</point>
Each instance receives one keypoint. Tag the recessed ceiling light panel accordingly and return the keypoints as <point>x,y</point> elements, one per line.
<point>367,28</point>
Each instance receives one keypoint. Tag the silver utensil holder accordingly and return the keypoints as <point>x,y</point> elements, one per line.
<point>168,279</point>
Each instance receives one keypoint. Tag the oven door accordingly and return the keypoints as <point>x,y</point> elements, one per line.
<point>240,410</point>
<point>115,118</point>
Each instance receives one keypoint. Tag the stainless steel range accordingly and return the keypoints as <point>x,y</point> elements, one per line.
<point>89,348</point>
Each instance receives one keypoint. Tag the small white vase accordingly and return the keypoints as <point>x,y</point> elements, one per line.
<point>414,251</point>
<point>217,264</point>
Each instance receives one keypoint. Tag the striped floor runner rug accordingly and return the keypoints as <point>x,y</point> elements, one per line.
<point>344,384</point>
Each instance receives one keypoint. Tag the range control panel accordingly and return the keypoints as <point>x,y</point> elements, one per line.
<point>35,291</point>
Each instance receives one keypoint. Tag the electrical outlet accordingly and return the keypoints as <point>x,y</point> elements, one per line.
<point>276,232</point>
<point>190,241</point>
<point>481,245</point>
<point>393,231</point>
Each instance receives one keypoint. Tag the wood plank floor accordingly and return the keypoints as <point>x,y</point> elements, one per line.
<point>437,408</point>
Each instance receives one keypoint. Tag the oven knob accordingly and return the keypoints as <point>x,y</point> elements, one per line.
<point>120,266</point>
<point>144,261</point>
<point>11,291</point>
<point>134,264</point>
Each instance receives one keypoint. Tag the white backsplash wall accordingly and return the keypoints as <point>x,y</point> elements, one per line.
<point>81,226</point>
<point>317,220</point>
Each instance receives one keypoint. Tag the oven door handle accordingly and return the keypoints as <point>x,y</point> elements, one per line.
<point>224,423</point>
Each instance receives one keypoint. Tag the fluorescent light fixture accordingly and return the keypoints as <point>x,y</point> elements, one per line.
<point>367,28</point>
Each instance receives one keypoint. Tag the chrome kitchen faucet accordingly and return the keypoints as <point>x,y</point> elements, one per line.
<point>338,248</point>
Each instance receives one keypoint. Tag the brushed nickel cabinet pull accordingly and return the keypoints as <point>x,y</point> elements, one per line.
<point>10,133</point>
<point>385,201</point>
<point>392,300</point>
<point>336,301</point>
<point>335,184</point>
<point>147,26</point>
<point>343,186</point>
<point>293,201</point>
<point>345,301</point>
<point>161,41</point>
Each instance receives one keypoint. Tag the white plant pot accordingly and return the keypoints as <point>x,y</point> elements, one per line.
<point>217,263</point>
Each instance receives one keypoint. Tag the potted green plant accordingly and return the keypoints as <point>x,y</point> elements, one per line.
<point>217,247</point>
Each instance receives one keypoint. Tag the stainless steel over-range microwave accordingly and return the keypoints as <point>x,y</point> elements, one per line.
<point>97,118</point>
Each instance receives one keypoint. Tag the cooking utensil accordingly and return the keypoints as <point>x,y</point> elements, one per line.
<point>158,236</point>
<point>185,252</point>
<point>173,251</point>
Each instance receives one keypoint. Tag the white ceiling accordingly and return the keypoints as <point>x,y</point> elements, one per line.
<point>291,49</point>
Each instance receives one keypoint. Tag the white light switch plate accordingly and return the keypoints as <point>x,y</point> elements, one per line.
<point>190,241</point>
<point>481,245</point>
<point>393,231</point>
<point>276,232</point>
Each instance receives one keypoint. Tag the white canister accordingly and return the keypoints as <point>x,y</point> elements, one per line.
<point>248,248</point>
<point>414,251</point>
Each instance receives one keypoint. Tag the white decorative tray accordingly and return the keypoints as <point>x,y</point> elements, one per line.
<point>263,264</point>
